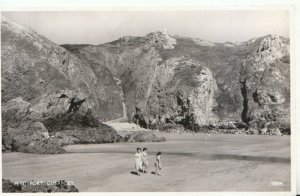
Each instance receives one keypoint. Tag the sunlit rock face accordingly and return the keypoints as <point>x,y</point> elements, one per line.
<point>160,39</point>
<point>266,75</point>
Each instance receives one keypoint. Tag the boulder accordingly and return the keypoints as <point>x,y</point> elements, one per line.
<point>94,135</point>
<point>49,124</point>
<point>44,146</point>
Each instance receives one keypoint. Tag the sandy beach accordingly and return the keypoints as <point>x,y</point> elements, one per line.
<point>190,163</point>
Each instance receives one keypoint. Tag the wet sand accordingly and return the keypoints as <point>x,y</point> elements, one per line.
<point>190,163</point>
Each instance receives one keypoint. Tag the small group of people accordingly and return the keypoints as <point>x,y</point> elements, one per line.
<point>142,162</point>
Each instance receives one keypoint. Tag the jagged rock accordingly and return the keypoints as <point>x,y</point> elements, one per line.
<point>30,141</point>
<point>21,129</point>
<point>270,48</point>
<point>48,115</point>
<point>160,39</point>
<point>269,97</point>
<point>37,186</point>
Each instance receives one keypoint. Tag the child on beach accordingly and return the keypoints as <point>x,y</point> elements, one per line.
<point>138,161</point>
<point>145,160</point>
<point>158,165</point>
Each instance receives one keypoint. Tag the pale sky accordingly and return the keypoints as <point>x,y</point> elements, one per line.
<point>95,27</point>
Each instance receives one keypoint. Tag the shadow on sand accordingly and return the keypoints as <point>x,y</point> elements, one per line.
<point>204,156</point>
<point>134,173</point>
<point>251,158</point>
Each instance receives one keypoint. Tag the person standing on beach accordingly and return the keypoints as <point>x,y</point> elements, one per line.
<point>145,160</point>
<point>138,161</point>
<point>158,165</point>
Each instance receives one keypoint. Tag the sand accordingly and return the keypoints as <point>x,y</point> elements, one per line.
<point>190,163</point>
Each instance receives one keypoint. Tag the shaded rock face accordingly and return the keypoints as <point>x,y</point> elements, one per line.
<point>198,83</point>
<point>60,186</point>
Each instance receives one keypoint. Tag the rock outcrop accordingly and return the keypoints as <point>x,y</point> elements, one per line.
<point>47,124</point>
<point>50,97</point>
<point>160,40</point>
<point>182,92</point>
<point>37,187</point>
<point>266,88</point>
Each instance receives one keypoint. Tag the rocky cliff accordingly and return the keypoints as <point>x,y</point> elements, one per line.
<point>196,83</point>
<point>32,66</point>
<point>265,76</point>
<point>50,97</point>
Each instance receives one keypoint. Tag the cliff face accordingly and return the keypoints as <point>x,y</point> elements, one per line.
<point>182,91</point>
<point>173,79</point>
<point>32,66</point>
<point>50,97</point>
<point>265,76</point>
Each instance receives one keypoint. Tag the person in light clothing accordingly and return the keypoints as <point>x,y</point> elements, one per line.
<point>145,160</point>
<point>138,161</point>
<point>158,164</point>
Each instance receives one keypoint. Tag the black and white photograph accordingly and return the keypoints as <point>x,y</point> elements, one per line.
<point>146,100</point>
